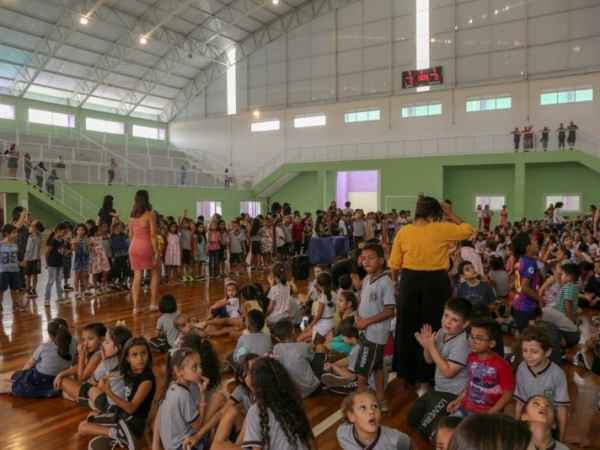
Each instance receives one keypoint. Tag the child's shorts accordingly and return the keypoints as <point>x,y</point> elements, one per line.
<point>256,247</point>
<point>186,256</point>
<point>220,312</point>
<point>81,264</point>
<point>222,252</point>
<point>370,357</point>
<point>10,279</point>
<point>235,258</point>
<point>33,267</point>
<point>283,249</point>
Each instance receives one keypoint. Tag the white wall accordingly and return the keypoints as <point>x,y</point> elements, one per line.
<point>231,137</point>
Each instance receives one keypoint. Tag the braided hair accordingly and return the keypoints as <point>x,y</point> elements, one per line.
<point>325,282</point>
<point>277,393</point>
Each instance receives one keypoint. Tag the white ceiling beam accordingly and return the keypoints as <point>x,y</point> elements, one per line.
<point>302,14</point>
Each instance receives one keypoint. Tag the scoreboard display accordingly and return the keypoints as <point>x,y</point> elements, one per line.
<point>422,77</point>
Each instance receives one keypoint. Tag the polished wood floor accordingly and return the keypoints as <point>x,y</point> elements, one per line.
<point>52,423</point>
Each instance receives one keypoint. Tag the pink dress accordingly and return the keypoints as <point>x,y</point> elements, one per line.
<point>173,253</point>
<point>140,249</point>
<point>98,260</point>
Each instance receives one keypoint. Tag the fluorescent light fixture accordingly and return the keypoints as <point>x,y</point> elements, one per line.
<point>83,20</point>
<point>143,40</point>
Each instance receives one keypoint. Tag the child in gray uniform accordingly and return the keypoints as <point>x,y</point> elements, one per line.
<point>166,335</point>
<point>361,428</point>
<point>297,357</point>
<point>278,400</point>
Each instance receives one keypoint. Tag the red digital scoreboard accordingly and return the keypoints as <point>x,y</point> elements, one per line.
<point>422,77</point>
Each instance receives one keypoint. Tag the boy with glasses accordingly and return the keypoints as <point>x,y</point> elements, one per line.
<point>491,381</point>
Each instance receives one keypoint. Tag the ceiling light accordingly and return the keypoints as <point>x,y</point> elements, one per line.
<point>275,2</point>
<point>83,20</point>
<point>256,113</point>
<point>143,40</point>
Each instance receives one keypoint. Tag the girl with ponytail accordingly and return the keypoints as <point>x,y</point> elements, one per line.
<point>36,379</point>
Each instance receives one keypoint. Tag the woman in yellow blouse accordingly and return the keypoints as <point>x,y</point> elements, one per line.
<point>420,254</point>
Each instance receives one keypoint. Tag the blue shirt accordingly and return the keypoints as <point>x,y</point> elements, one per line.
<point>526,268</point>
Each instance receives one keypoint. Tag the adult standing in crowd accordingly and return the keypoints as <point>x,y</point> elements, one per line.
<point>545,138</point>
<point>561,136</point>
<point>112,165</point>
<point>13,162</point>
<point>420,252</point>
<point>558,218</point>
<point>106,213</point>
<point>572,135</point>
<point>487,214</point>
<point>516,138</point>
<point>143,251</point>
<point>20,220</point>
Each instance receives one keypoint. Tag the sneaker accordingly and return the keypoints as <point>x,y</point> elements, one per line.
<point>88,293</point>
<point>46,303</point>
<point>331,380</point>
<point>18,307</point>
<point>68,287</point>
<point>125,436</point>
<point>115,287</point>
<point>103,443</point>
<point>344,390</point>
<point>581,361</point>
<point>78,296</point>
<point>29,293</point>
<point>105,419</point>
<point>124,287</point>
<point>34,293</point>
<point>62,300</point>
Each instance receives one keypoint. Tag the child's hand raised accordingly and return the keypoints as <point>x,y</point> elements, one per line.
<point>426,337</point>
<point>203,384</point>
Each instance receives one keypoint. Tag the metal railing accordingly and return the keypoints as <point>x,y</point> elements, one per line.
<point>461,145</point>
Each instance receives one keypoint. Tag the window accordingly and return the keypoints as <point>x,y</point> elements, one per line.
<point>310,120</point>
<point>7,112</point>
<point>362,115</point>
<point>265,125</point>
<point>571,202</point>
<point>567,94</point>
<point>421,109</point>
<point>207,208</point>
<point>51,118</point>
<point>104,126</point>
<point>252,208</point>
<point>495,201</point>
<point>148,132</point>
<point>488,102</point>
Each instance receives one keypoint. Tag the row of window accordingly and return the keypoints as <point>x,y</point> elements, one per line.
<point>571,202</point>
<point>208,208</point>
<point>68,121</point>
<point>567,94</point>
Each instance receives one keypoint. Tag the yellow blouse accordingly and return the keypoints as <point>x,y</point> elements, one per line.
<point>426,247</point>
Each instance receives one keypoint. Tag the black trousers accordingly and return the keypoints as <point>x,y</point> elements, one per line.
<point>422,298</point>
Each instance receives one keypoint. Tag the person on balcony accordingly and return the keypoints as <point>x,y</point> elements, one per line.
<point>571,137</point>
<point>112,165</point>
<point>517,138</point>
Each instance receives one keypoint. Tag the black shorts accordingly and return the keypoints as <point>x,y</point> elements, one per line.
<point>222,252</point>
<point>120,268</point>
<point>10,279</point>
<point>370,357</point>
<point>84,394</point>
<point>283,249</point>
<point>186,256</point>
<point>256,247</point>
<point>33,267</point>
<point>235,258</point>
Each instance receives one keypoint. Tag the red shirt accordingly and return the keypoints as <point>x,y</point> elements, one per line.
<point>297,231</point>
<point>488,380</point>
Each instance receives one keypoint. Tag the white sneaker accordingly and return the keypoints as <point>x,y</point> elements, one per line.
<point>78,296</point>
<point>88,293</point>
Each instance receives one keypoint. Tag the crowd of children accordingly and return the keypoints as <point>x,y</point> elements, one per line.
<point>528,279</point>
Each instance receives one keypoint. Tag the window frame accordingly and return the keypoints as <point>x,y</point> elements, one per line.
<point>303,120</point>
<point>105,129</point>
<point>255,125</point>
<point>357,114</point>
<point>489,201</point>
<point>159,133</point>
<point>481,101</point>
<point>56,119</point>
<point>217,209</point>
<point>416,109</point>
<point>254,209</point>
<point>5,107</point>
<point>545,202</point>
<point>566,94</point>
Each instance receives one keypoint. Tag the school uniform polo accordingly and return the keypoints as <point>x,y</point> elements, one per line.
<point>240,395</point>
<point>253,436</point>
<point>456,350</point>
<point>377,295</point>
<point>166,323</point>
<point>296,358</point>
<point>550,382</point>
<point>387,438</point>
<point>178,412</point>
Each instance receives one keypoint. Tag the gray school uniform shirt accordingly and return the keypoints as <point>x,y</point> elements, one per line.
<point>259,343</point>
<point>32,251</point>
<point>549,382</point>
<point>500,278</point>
<point>240,396</point>
<point>166,323</point>
<point>296,358</point>
<point>47,360</point>
<point>387,439</point>
<point>185,238</point>
<point>456,350</point>
<point>178,412</point>
<point>377,295</point>
<point>235,242</point>
<point>110,367</point>
<point>358,228</point>
<point>253,436</point>
<point>287,232</point>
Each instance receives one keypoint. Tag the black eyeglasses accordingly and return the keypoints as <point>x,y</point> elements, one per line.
<point>477,339</point>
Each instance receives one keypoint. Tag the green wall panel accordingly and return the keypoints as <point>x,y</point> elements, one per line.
<point>462,183</point>
<point>301,193</point>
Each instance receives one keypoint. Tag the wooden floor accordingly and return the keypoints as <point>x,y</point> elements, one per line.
<point>52,423</point>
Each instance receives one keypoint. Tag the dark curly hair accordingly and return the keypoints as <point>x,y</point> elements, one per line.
<point>278,394</point>
<point>325,282</point>
<point>209,360</point>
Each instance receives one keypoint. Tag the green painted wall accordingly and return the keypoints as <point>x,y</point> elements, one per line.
<point>301,193</point>
<point>563,178</point>
<point>463,183</point>
<point>21,123</point>
<point>168,201</point>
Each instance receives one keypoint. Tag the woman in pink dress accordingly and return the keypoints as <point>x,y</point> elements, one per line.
<point>143,250</point>
<point>503,220</point>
